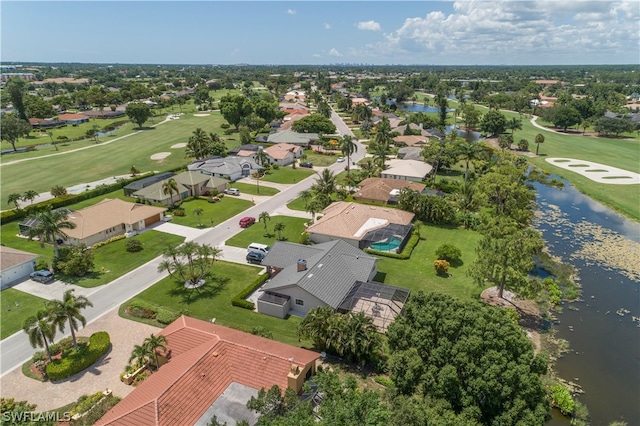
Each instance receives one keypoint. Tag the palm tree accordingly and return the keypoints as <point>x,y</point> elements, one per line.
<point>30,195</point>
<point>383,133</point>
<point>169,187</point>
<point>40,328</point>
<point>49,225</point>
<point>189,262</point>
<point>348,148</point>
<point>15,199</point>
<point>380,153</point>
<point>68,310</point>
<point>198,144</point>
<point>315,205</point>
<point>325,183</point>
<point>261,158</point>
<point>154,342</point>
<point>513,124</point>
<point>53,142</point>
<point>264,217</point>
<point>198,212</point>
<point>539,140</point>
<point>279,227</point>
<point>140,354</point>
<point>468,151</point>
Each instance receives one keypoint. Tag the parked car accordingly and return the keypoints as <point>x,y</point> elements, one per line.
<point>307,164</point>
<point>340,160</point>
<point>42,276</point>
<point>232,191</point>
<point>247,221</point>
<point>257,247</point>
<point>255,257</point>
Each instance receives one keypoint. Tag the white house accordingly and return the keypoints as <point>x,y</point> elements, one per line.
<point>406,170</point>
<point>15,265</point>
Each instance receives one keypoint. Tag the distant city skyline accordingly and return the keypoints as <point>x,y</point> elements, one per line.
<point>512,32</point>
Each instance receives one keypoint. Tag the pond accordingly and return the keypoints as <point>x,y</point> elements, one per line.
<point>603,330</point>
<point>417,107</point>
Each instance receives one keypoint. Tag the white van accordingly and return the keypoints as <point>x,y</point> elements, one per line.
<point>260,248</point>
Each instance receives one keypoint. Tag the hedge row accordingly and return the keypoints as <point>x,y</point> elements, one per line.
<point>142,309</point>
<point>404,254</point>
<point>239,301</point>
<point>77,361</point>
<point>110,240</point>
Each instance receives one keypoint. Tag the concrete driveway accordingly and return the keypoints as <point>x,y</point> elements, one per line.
<point>52,290</point>
<point>184,231</point>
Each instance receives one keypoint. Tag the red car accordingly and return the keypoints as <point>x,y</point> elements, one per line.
<point>247,221</point>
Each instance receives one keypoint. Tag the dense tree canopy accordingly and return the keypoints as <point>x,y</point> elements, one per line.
<point>138,112</point>
<point>471,357</point>
<point>234,108</point>
<point>14,128</point>
<point>314,123</point>
<point>493,122</point>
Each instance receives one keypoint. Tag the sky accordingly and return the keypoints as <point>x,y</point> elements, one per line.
<point>468,32</point>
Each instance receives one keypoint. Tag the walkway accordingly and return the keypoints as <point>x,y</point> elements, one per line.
<point>535,124</point>
<point>52,290</point>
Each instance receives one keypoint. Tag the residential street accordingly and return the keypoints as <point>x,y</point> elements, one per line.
<point>15,349</point>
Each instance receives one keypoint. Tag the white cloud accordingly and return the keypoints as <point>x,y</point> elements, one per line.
<point>316,55</point>
<point>368,26</point>
<point>327,26</point>
<point>513,32</point>
<point>291,12</point>
<point>334,52</point>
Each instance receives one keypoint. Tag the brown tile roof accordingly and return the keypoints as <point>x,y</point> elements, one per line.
<point>205,360</point>
<point>378,189</point>
<point>279,151</point>
<point>245,153</point>
<point>72,117</point>
<point>411,140</point>
<point>10,257</point>
<point>107,214</point>
<point>353,220</point>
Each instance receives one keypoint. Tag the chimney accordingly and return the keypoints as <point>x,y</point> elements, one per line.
<point>302,265</point>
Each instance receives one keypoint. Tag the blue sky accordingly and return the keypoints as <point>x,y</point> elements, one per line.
<point>468,32</point>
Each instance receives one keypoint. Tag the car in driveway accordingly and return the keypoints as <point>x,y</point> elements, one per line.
<point>340,160</point>
<point>42,276</point>
<point>247,221</point>
<point>255,257</point>
<point>232,191</point>
<point>307,164</point>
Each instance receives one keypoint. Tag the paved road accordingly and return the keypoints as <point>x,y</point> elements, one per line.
<point>15,349</point>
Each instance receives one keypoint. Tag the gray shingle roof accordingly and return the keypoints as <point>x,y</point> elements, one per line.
<point>332,268</point>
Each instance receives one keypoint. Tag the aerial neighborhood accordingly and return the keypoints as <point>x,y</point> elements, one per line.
<point>331,244</point>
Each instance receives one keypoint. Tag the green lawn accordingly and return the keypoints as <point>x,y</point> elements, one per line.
<point>297,204</point>
<point>294,226</point>
<point>118,193</point>
<point>250,188</point>
<point>417,273</point>
<point>320,160</point>
<point>287,175</point>
<point>214,301</point>
<point>105,160</point>
<point>227,207</point>
<point>13,316</point>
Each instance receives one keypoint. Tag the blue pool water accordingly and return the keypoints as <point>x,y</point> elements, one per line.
<point>387,245</point>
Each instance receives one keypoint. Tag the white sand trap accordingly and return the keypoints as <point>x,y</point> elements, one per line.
<point>160,155</point>
<point>178,145</point>
<point>597,172</point>
<point>201,115</point>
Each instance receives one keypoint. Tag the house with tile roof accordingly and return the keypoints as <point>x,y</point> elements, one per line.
<point>190,184</point>
<point>384,190</point>
<point>231,168</point>
<point>146,181</point>
<point>406,170</point>
<point>108,218</point>
<point>410,140</point>
<point>15,265</point>
<point>362,225</point>
<point>283,154</point>
<point>211,370</point>
<point>73,119</point>
<point>294,138</point>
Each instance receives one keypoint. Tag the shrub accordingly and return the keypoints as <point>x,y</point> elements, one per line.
<point>133,245</point>
<point>441,266</point>
<point>275,166</point>
<point>305,239</point>
<point>86,402</point>
<point>225,126</point>
<point>58,190</point>
<point>562,399</point>
<point>110,240</point>
<point>179,212</point>
<point>384,381</point>
<point>77,361</point>
<point>262,332</point>
<point>448,252</point>
<point>239,301</point>
<point>165,316</point>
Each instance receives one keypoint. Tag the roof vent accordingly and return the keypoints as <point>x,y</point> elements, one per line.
<point>215,354</point>
<point>320,265</point>
<point>302,265</point>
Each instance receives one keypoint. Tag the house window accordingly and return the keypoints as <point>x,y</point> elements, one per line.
<point>299,302</point>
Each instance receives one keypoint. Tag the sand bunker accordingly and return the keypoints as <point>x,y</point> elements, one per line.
<point>160,155</point>
<point>597,172</point>
<point>178,145</point>
<point>201,115</point>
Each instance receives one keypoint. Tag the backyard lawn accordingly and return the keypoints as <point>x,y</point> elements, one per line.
<point>251,188</point>
<point>214,301</point>
<point>294,227</point>
<point>287,175</point>
<point>215,213</point>
<point>17,306</point>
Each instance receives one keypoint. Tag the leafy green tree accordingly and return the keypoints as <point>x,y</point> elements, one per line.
<point>40,329</point>
<point>189,262</point>
<point>169,187</point>
<point>234,108</point>
<point>449,252</point>
<point>199,145</point>
<point>74,260</point>
<point>279,228</point>
<point>14,128</point>
<point>563,116</point>
<point>471,116</point>
<point>469,356</point>
<point>324,109</point>
<point>68,311</point>
<point>38,107</point>
<point>134,170</point>
<point>16,90</point>
<point>153,343</point>
<point>539,140</point>
<point>264,217</point>
<point>348,148</point>
<point>493,122</point>
<point>613,126</point>
<point>467,152</point>
<point>562,399</point>
<point>272,403</point>
<point>523,145</point>
<point>58,191</point>
<point>49,226</point>
<point>314,123</point>
<point>138,112</point>
<point>505,141</point>
<point>15,199</point>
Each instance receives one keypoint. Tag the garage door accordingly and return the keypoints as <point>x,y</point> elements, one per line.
<point>151,220</point>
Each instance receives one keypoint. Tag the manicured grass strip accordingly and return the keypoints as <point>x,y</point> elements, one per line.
<point>214,301</point>
<point>13,316</point>
<point>215,213</point>
<point>294,227</point>
<point>287,175</point>
<point>297,204</point>
<point>252,189</point>
<point>320,160</point>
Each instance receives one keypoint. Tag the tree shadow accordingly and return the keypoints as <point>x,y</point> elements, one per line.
<point>145,128</point>
<point>380,277</point>
<point>456,263</point>
<point>213,286</point>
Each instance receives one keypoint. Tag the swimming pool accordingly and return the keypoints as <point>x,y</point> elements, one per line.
<point>387,245</point>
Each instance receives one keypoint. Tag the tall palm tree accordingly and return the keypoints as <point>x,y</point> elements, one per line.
<point>539,140</point>
<point>348,148</point>
<point>514,124</point>
<point>30,195</point>
<point>325,183</point>
<point>40,328</point>
<point>14,199</point>
<point>261,158</point>
<point>198,145</point>
<point>383,133</point>
<point>279,227</point>
<point>468,151</point>
<point>153,343</point>
<point>53,142</point>
<point>49,225</point>
<point>198,212</point>
<point>68,311</point>
<point>380,152</point>
<point>140,355</point>
<point>169,187</point>
<point>264,217</point>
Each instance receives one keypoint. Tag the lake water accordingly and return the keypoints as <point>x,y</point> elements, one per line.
<point>411,107</point>
<point>603,329</point>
